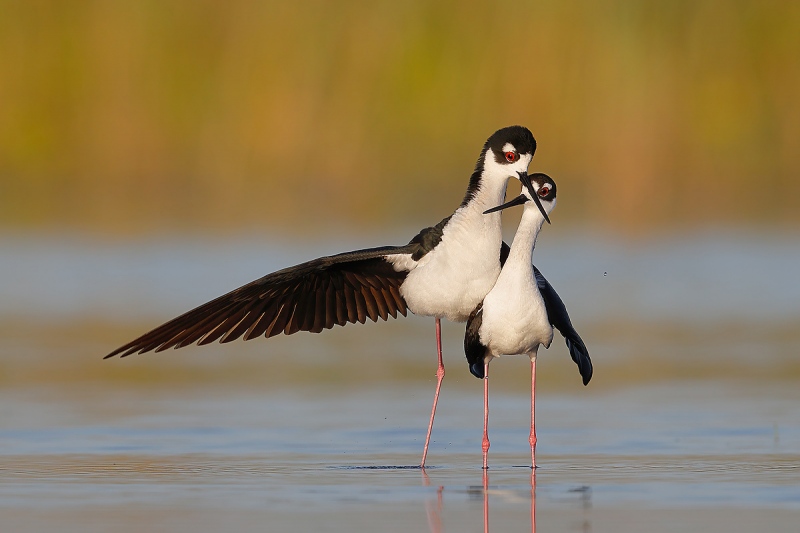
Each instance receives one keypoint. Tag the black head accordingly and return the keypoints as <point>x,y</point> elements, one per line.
<point>537,187</point>
<point>517,140</point>
<point>544,186</point>
<point>505,154</point>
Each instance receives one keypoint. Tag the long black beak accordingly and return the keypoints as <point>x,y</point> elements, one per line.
<point>521,199</point>
<point>526,181</point>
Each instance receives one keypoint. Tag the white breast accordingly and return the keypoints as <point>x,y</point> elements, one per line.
<point>514,316</point>
<point>453,278</point>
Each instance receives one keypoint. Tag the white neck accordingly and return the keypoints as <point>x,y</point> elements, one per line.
<point>521,254</point>
<point>490,193</point>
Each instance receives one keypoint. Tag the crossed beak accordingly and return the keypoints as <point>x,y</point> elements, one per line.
<point>521,199</point>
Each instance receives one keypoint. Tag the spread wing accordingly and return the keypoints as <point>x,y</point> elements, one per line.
<point>312,296</point>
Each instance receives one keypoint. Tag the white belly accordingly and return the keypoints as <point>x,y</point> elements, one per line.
<point>515,320</point>
<point>447,288</point>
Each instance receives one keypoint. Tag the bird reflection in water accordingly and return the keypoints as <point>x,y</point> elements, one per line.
<point>533,500</point>
<point>433,508</point>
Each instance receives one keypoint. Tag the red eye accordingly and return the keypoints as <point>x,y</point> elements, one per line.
<point>511,157</point>
<point>544,191</point>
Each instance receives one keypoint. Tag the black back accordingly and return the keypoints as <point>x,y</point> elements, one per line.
<point>427,239</point>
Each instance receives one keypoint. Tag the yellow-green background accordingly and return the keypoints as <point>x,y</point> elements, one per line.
<point>155,154</point>
<point>126,117</point>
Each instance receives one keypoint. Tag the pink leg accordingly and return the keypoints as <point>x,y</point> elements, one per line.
<point>532,437</point>
<point>485,445</point>
<point>439,378</point>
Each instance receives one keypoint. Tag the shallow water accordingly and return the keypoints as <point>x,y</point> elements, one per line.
<point>691,421</point>
<point>304,460</point>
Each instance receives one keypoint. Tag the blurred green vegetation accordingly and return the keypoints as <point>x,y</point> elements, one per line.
<point>135,116</point>
<point>626,354</point>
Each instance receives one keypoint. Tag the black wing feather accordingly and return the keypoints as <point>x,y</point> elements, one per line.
<point>288,301</point>
<point>283,316</point>
<point>263,322</point>
<point>474,350</point>
<point>559,318</point>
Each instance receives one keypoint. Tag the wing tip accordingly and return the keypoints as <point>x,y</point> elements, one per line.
<point>477,370</point>
<point>587,372</point>
<point>125,351</point>
<point>579,354</point>
<point>122,351</point>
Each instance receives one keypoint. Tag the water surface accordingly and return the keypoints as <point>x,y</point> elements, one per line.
<point>691,421</point>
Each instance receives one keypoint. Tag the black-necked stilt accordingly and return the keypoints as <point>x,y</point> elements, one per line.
<point>445,272</point>
<point>517,316</point>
